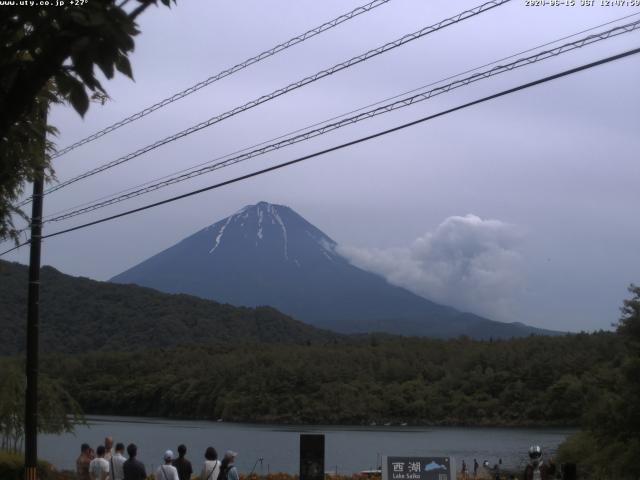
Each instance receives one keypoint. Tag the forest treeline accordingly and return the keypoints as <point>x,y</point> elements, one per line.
<point>530,381</point>
<point>586,380</point>
<point>78,315</point>
<point>608,445</point>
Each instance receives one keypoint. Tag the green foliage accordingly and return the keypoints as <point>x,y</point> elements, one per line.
<point>609,445</point>
<point>49,54</point>
<point>306,375</point>
<point>413,380</point>
<point>12,468</point>
<point>24,152</point>
<point>79,315</point>
<point>65,44</point>
<point>11,407</point>
<point>629,325</point>
<point>57,411</point>
<point>601,460</point>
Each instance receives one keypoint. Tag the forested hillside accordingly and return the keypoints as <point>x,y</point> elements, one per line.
<point>533,381</point>
<point>608,446</point>
<point>79,315</point>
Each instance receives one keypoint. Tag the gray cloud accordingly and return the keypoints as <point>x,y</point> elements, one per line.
<point>559,159</point>
<point>467,262</point>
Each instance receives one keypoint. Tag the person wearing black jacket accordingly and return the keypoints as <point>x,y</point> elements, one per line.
<point>132,468</point>
<point>182,464</point>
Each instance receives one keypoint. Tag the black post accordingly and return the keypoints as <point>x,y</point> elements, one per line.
<point>311,456</point>
<point>33,313</point>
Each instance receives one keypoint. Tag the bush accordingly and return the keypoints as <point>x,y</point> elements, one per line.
<point>12,468</point>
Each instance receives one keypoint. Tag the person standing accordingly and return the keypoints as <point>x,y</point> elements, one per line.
<point>167,471</point>
<point>108,448</point>
<point>99,467</point>
<point>228,469</point>
<point>464,470</point>
<point>132,468</point>
<point>536,469</point>
<point>83,461</point>
<point>116,463</point>
<point>183,466</point>
<point>475,468</point>
<point>211,467</point>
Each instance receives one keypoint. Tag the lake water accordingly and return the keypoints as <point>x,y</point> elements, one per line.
<point>347,449</point>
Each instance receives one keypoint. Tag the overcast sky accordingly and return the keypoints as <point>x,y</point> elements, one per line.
<point>521,209</point>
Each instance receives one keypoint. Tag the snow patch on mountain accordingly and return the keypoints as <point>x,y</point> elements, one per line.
<point>260,217</point>
<point>276,216</point>
<point>220,233</point>
<point>252,222</point>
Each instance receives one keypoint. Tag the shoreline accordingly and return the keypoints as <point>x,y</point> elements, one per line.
<point>364,425</point>
<point>278,444</point>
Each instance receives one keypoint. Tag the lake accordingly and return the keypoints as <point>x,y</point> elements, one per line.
<point>348,449</point>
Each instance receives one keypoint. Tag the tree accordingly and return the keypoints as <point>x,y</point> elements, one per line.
<point>57,411</point>
<point>50,53</point>
<point>24,151</point>
<point>609,444</point>
<point>629,324</point>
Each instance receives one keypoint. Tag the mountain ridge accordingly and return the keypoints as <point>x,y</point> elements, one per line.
<point>266,254</point>
<point>79,314</point>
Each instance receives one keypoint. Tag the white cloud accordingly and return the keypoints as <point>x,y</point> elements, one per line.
<point>467,262</point>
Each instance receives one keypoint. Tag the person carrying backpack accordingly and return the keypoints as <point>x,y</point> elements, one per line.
<point>167,471</point>
<point>228,469</point>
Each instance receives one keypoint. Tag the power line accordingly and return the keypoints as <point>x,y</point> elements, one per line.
<point>405,102</point>
<point>225,73</point>
<point>129,189</point>
<point>293,86</point>
<point>347,144</point>
<point>50,217</point>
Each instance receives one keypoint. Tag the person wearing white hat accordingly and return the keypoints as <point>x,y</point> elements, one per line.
<point>167,471</point>
<point>228,469</point>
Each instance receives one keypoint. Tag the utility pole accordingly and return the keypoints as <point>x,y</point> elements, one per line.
<point>33,311</point>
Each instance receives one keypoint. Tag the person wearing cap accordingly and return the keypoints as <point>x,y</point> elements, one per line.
<point>211,467</point>
<point>228,469</point>
<point>182,464</point>
<point>167,471</point>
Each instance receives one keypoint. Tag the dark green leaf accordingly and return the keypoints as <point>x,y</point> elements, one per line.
<point>65,83</point>
<point>123,66</point>
<point>79,99</point>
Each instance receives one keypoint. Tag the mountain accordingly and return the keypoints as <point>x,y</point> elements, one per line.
<point>81,315</point>
<point>267,254</point>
